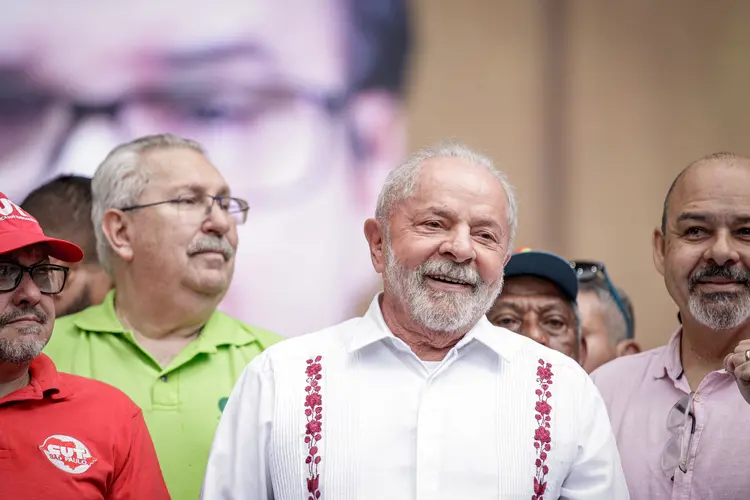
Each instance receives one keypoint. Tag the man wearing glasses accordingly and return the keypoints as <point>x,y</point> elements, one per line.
<point>680,422</point>
<point>607,318</point>
<point>299,102</point>
<point>166,230</point>
<point>61,436</point>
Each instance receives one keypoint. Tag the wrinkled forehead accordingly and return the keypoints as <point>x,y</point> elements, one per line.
<point>173,169</point>
<point>115,42</point>
<point>714,191</point>
<point>457,183</point>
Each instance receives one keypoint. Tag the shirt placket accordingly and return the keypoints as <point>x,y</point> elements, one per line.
<point>683,482</point>
<point>431,428</point>
<point>165,392</point>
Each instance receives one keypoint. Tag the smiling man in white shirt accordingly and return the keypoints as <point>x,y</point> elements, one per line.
<point>421,398</point>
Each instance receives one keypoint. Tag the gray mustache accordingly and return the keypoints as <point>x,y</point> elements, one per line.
<point>220,245</point>
<point>452,270</point>
<point>18,313</point>
<point>728,273</point>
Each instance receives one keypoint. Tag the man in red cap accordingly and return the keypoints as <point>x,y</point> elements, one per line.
<point>61,436</point>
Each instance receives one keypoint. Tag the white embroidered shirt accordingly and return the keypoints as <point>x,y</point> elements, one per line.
<point>350,412</point>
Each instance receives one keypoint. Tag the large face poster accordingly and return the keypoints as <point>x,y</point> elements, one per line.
<point>298,104</point>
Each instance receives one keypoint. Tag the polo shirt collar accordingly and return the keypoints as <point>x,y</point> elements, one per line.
<point>220,329</point>
<point>45,382</point>
<point>669,362</point>
<point>372,328</point>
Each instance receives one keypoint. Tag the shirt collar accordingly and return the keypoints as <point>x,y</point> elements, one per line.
<point>372,328</point>
<point>220,329</point>
<point>669,363</point>
<point>45,382</point>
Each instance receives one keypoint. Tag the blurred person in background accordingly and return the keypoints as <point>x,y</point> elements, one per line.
<point>539,301</point>
<point>300,103</point>
<point>607,316</point>
<point>63,209</point>
<point>166,232</point>
<point>679,419</point>
<point>61,436</point>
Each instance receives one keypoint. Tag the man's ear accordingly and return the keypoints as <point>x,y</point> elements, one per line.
<point>378,136</point>
<point>627,347</point>
<point>376,240</point>
<point>117,229</point>
<point>657,247</point>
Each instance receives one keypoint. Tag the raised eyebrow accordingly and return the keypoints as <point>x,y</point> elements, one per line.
<point>551,303</point>
<point>487,224</point>
<point>442,212</point>
<point>506,304</point>
<point>692,216</point>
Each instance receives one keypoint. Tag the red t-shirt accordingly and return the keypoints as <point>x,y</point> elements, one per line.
<point>65,437</point>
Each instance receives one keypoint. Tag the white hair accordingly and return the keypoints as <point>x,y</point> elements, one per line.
<point>400,183</point>
<point>120,180</point>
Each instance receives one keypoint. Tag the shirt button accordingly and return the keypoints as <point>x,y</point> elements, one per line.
<point>696,398</point>
<point>163,378</point>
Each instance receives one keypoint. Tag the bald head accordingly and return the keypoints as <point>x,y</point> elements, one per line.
<point>714,159</point>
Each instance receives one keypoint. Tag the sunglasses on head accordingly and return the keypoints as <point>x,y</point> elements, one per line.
<point>589,271</point>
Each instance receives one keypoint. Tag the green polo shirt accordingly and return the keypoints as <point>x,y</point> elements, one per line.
<point>182,402</point>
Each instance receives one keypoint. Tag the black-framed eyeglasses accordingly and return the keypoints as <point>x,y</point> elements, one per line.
<point>677,450</point>
<point>590,270</point>
<point>197,206</point>
<point>49,278</point>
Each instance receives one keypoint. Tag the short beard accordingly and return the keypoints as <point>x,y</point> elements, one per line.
<point>443,312</point>
<point>720,310</point>
<point>23,349</point>
<point>28,342</point>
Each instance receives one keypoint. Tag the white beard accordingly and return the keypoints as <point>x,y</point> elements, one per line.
<point>435,310</point>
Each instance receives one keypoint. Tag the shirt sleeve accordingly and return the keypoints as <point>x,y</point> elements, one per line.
<point>237,466</point>
<point>597,470</point>
<point>139,476</point>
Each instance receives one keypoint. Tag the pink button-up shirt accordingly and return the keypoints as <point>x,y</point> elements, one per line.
<point>640,391</point>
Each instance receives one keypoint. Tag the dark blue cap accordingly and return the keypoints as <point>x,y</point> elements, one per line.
<point>544,265</point>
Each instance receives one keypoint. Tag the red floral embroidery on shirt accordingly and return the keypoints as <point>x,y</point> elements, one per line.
<point>314,425</point>
<point>542,437</point>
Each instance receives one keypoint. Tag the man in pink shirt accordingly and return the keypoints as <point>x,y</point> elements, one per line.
<point>680,422</point>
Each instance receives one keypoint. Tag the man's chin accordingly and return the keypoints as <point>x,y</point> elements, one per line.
<point>21,350</point>
<point>211,283</point>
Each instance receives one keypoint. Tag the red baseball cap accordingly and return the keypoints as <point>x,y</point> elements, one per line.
<point>19,229</point>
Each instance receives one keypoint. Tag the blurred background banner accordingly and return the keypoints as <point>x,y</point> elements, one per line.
<point>297,102</point>
<point>591,107</point>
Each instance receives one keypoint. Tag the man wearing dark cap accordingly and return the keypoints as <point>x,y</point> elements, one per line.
<point>61,436</point>
<point>539,301</point>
